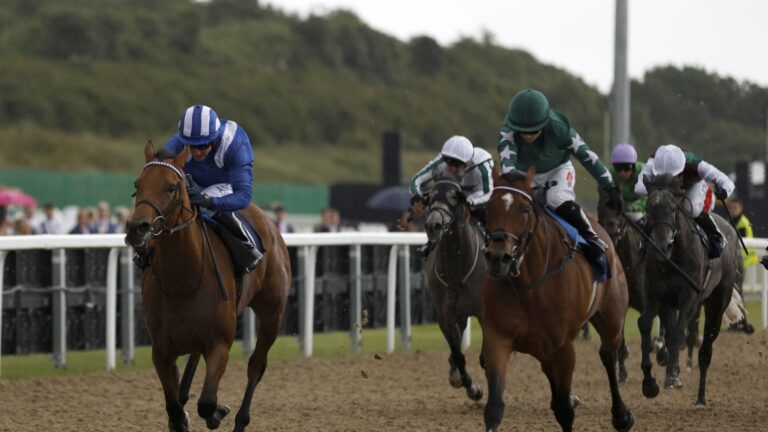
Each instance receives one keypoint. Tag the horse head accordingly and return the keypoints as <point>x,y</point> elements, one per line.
<point>610,219</point>
<point>665,193</point>
<point>446,205</point>
<point>512,219</point>
<point>160,198</point>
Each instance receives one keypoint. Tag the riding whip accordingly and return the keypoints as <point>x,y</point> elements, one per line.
<point>733,224</point>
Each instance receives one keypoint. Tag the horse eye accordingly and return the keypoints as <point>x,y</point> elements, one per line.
<point>171,189</point>
<point>527,209</point>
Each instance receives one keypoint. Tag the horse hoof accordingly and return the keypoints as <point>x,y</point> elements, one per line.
<point>623,376</point>
<point>183,427</point>
<point>474,392</point>
<point>672,382</point>
<point>214,420</point>
<point>624,424</point>
<point>454,379</point>
<point>575,402</point>
<point>650,388</point>
<point>700,406</point>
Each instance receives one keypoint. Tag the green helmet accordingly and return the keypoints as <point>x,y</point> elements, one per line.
<point>528,111</point>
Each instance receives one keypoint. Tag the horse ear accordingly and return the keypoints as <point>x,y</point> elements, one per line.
<point>149,152</point>
<point>529,175</point>
<point>181,158</point>
<point>496,173</point>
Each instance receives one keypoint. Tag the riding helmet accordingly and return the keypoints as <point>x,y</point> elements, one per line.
<point>199,125</point>
<point>528,111</point>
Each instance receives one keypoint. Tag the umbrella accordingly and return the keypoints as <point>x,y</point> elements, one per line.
<point>13,196</point>
<point>390,198</point>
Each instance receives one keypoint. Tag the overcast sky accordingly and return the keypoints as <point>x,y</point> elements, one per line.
<point>729,38</point>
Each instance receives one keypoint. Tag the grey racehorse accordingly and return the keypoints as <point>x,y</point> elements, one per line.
<point>670,295</point>
<point>455,273</point>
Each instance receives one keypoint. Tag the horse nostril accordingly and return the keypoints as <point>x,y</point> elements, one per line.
<point>506,259</point>
<point>137,227</point>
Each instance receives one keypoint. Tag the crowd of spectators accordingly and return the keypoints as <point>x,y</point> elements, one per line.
<point>28,220</point>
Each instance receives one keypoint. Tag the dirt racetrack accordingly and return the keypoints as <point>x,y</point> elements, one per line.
<point>402,393</point>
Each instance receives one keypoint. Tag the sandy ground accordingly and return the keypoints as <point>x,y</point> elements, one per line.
<point>402,393</point>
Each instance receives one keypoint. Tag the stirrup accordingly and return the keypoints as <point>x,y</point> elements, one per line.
<point>255,263</point>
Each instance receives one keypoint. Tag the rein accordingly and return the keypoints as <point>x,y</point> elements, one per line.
<point>444,209</point>
<point>528,234</point>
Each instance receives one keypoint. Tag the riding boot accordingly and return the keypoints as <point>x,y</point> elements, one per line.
<point>571,212</point>
<point>717,240</point>
<point>245,255</point>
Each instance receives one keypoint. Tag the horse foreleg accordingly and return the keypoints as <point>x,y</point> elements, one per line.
<point>611,344</point>
<point>496,350</point>
<point>453,330</point>
<point>713,313</point>
<point>186,379</point>
<point>215,365</point>
<point>257,364</point>
<point>645,324</point>
<point>563,363</point>
<point>168,373</point>
<point>675,336</point>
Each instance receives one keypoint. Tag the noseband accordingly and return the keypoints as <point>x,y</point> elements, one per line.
<point>158,223</point>
<point>444,208</point>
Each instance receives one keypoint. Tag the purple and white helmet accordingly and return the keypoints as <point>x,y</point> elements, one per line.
<point>623,154</point>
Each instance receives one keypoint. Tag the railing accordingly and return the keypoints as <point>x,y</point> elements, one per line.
<point>308,246</point>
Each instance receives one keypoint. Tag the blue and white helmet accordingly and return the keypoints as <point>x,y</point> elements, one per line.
<point>199,125</point>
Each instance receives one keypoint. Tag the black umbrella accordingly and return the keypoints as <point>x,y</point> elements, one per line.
<point>390,198</point>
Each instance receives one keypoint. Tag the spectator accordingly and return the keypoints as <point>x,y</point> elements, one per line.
<point>32,217</point>
<point>6,228</point>
<point>329,221</point>
<point>51,224</point>
<point>280,220</point>
<point>83,223</point>
<point>122,214</point>
<point>103,224</point>
<point>22,227</point>
<point>744,227</point>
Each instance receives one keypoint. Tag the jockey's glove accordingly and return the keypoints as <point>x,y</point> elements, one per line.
<point>720,193</point>
<point>419,198</point>
<point>200,200</point>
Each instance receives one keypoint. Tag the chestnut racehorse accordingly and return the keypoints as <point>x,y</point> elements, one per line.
<point>189,291</point>
<point>538,293</point>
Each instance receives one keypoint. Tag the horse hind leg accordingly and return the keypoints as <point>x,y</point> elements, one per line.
<point>257,365</point>
<point>186,379</point>
<point>207,406</point>
<point>168,373</point>
<point>623,354</point>
<point>713,312</point>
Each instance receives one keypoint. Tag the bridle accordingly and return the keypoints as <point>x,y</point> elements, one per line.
<point>672,225</point>
<point>526,238</point>
<point>520,240</point>
<point>158,224</point>
<point>444,209</point>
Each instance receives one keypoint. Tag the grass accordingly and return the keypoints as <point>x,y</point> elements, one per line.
<point>335,344</point>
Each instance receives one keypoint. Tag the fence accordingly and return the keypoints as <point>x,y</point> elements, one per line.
<point>308,246</point>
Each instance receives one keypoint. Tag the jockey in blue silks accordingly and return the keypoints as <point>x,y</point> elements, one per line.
<point>221,166</point>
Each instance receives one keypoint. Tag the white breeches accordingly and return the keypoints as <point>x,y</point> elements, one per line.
<point>565,177</point>
<point>699,198</point>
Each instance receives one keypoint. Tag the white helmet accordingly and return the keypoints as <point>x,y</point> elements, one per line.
<point>669,159</point>
<point>459,148</point>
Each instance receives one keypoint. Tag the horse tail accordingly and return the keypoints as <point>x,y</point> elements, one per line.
<point>735,311</point>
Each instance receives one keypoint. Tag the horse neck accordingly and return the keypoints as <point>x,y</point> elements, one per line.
<point>546,249</point>
<point>179,259</point>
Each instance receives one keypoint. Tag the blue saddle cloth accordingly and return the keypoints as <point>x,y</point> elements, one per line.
<point>208,218</point>
<point>600,269</point>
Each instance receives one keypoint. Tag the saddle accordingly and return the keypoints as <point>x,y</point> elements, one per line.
<point>601,271</point>
<point>232,243</point>
<point>706,241</point>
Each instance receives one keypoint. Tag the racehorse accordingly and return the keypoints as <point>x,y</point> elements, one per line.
<point>189,292</point>
<point>670,293</point>
<point>455,274</point>
<point>627,243</point>
<point>538,293</point>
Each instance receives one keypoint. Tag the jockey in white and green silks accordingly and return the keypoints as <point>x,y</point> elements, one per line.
<point>535,134</point>
<point>469,166</point>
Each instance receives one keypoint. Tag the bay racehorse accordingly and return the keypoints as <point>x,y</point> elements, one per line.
<point>189,291</point>
<point>538,293</point>
<point>678,295</point>
<point>455,274</point>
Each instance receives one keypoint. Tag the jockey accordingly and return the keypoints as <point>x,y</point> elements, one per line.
<point>535,134</point>
<point>697,175</point>
<point>624,169</point>
<point>221,163</point>
<point>470,166</point>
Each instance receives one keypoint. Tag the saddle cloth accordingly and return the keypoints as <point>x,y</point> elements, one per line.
<point>600,269</point>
